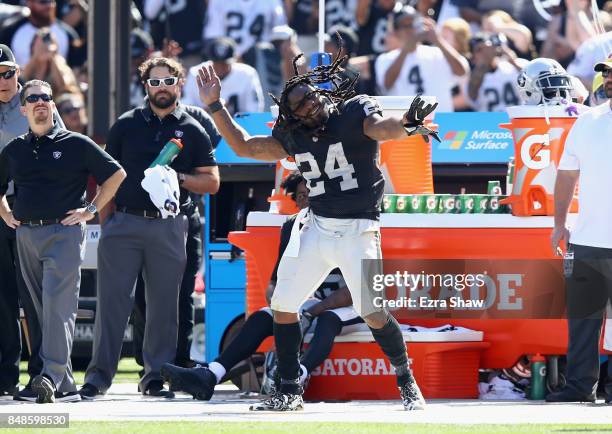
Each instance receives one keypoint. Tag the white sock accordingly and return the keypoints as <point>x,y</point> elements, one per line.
<point>217,369</point>
<point>304,373</point>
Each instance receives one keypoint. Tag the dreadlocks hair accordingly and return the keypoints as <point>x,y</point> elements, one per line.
<point>341,89</point>
<point>291,182</point>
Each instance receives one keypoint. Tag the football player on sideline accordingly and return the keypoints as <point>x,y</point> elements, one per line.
<point>333,137</point>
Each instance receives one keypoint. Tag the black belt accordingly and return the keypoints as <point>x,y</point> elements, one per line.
<point>140,212</point>
<point>41,222</point>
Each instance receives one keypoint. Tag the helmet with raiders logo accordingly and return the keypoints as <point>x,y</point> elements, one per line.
<point>542,81</point>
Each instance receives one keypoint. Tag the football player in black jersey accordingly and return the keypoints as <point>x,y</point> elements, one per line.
<point>333,137</point>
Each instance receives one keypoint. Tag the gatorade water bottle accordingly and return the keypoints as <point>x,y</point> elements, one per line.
<point>169,152</point>
<point>318,59</point>
<point>538,377</point>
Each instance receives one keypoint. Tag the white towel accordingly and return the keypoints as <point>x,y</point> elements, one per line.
<point>293,246</point>
<point>161,182</point>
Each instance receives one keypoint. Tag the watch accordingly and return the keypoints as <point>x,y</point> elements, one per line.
<point>92,208</point>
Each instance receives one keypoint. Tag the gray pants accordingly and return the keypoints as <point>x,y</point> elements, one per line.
<point>588,291</point>
<point>50,258</point>
<point>128,244</point>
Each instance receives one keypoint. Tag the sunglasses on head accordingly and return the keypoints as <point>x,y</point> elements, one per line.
<point>36,96</point>
<point>8,74</point>
<point>168,81</point>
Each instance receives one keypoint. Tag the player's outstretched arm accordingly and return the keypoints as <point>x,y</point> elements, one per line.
<point>378,128</point>
<point>265,148</point>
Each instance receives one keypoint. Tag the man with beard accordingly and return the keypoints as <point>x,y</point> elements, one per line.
<point>50,167</point>
<point>135,237</point>
<point>586,158</point>
<point>333,136</point>
<point>20,34</point>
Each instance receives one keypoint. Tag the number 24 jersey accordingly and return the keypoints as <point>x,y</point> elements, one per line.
<point>341,165</point>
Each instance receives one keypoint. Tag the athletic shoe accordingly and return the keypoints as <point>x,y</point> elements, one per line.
<point>9,391</point>
<point>569,395</point>
<point>156,388</point>
<point>67,396</point>
<point>199,382</point>
<point>26,394</point>
<point>89,391</point>
<point>44,389</point>
<point>411,396</point>
<point>280,401</point>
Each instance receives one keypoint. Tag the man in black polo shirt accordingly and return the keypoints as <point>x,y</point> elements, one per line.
<point>50,167</point>
<point>136,237</point>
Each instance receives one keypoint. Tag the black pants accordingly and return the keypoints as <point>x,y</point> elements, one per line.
<point>185,303</point>
<point>588,291</point>
<point>13,291</point>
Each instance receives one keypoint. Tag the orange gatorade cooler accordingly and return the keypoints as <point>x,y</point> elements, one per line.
<point>406,163</point>
<point>539,134</point>
<point>280,202</point>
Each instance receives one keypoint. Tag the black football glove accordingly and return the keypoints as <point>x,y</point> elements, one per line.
<point>415,116</point>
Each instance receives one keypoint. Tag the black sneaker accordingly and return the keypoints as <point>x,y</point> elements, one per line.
<point>280,401</point>
<point>67,396</point>
<point>411,396</point>
<point>199,382</point>
<point>9,391</point>
<point>26,394</point>
<point>156,388</point>
<point>89,391</point>
<point>44,389</point>
<point>569,395</point>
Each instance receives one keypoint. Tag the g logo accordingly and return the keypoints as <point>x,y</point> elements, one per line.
<point>543,140</point>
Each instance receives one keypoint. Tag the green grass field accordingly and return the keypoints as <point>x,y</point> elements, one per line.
<point>309,428</point>
<point>126,373</point>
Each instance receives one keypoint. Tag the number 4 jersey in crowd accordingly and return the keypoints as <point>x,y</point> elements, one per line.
<point>339,165</point>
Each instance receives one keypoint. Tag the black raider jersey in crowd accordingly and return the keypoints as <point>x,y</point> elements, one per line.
<point>341,164</point>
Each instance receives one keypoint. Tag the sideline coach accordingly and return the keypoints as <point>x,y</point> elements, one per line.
<point>50,167</point>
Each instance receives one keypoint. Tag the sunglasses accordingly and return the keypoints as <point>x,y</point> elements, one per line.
<point>168,81</point>
<point>69,110</point>
<point>36,96</point>
<point>7,75</point>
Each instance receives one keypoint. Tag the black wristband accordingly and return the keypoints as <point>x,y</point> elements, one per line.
<point>215,106</point>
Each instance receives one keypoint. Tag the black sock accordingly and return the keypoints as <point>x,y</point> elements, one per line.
<point>256,328</point>
<point>328,327</point>
<point>288,339</point>
<point>391,342</point>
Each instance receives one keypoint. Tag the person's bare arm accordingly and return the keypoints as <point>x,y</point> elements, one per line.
<point>458,64</point>
<point>7,214</point>
<point>564,192</point>
<point>265,148</point>
<point>378,128</point>
<point>395,68</point>
<point>338,298</point>
<point>470,15</point>
<point>204,180</point>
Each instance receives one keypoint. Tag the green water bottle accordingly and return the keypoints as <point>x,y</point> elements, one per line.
<point>538,377</point>
<point>168,153</point>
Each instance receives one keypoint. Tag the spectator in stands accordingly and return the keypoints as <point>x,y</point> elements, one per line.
<point>456,31</point>
<point>48,65</point>
<point>20,34</point>
<point>273,61</point>
<point>492,85</point>
<point>74,13</point>
<point>518,36</point>
<point>141,45</point>
<point>416,68</point>
<point>178,21</point>
<point>337,12</point>
<point>245,21</point>
<point>373,17</point>
<point>240,83</point>
<point>302,18</point>
<point>473,11</point>
<point>588,54</point>
<point>71,108</point>
<point>567,30</point>
<point>345,37</point>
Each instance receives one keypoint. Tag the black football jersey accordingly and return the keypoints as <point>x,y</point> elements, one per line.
<point>341,164</point>
<point>373,33</point>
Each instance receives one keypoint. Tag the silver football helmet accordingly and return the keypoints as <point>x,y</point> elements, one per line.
<point>544,80</point>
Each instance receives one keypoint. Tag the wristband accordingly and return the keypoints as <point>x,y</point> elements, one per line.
<point>215,106</point>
